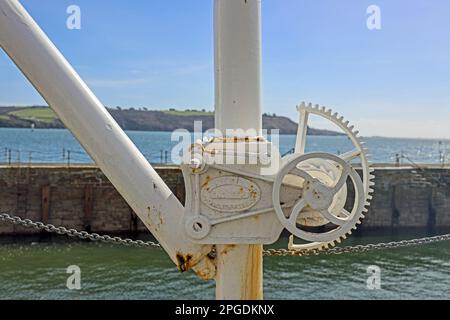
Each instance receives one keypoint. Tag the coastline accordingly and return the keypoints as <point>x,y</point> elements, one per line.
<point>143,120</point>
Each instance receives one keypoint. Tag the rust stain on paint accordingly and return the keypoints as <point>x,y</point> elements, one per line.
<point>205,184</point>
<point>184,261</point>
<point>227,249</point>
<point>253,192</point>
<point>155,218</point>
<point>208,270</point>
<point>252,276</point>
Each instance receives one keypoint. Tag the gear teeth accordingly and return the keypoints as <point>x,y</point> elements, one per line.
<point>367,170</point>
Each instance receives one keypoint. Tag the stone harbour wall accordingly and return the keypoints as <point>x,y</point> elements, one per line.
<point>410,197</point>
<point>81,197</point>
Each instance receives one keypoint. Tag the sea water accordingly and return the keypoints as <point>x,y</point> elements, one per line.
<point>59,146</point>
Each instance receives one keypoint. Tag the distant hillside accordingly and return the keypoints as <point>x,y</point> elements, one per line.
<point>141,120</point>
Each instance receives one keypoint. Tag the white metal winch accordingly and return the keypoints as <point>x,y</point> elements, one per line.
<point>239,190</point>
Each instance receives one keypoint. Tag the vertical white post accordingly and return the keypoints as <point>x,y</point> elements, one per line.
<point>237,42</point>
<point>239,274</point>
<point>237,34</point>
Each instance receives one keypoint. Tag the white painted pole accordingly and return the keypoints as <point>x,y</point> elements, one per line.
<point>85,116</point>
<point>237,43</point>
<point>237,33</point>
<point>239,273</point>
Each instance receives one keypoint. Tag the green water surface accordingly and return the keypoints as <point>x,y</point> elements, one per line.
<point>34,268</point>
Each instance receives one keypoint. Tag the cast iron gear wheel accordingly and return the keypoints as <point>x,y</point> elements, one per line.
<point>359,151</point>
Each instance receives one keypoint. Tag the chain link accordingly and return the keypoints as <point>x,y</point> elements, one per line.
<point>358,248</point>
<point>269,252</point>
<point>27,223</point>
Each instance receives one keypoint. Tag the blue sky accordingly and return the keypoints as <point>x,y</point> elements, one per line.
<point>159,54</point>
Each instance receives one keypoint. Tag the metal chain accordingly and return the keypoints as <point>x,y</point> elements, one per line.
<point>358,248</point>
<point>269,252</point>
<point>27,223</point>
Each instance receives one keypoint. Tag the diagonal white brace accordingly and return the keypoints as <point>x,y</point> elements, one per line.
<point>86,117</point>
